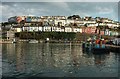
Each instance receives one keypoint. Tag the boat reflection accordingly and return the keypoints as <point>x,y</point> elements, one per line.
<point>100,59</point>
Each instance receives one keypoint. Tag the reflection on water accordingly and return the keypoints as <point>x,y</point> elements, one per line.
<point>56,59</point>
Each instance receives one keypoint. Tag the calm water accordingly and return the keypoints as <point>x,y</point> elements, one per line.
<point>56,60</point>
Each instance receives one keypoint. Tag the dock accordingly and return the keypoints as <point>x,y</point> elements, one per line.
<point>2,41</point>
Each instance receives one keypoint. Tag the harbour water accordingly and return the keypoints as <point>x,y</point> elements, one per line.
<point>56,60</point>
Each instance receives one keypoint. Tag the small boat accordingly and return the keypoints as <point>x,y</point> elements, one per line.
<point>33,41</point>
<point>96,47</point>
<point>14,41</point>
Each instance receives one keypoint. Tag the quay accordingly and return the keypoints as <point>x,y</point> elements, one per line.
<point>5,41</point>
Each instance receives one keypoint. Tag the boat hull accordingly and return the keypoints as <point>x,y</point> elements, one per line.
<point>33,41</point>
<point>95,50</point>
<point>100,50</point>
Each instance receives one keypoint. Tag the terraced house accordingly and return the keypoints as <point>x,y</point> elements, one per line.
<point>73,23</point>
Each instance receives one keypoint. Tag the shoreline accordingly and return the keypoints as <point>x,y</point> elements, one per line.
<point>39,41</point>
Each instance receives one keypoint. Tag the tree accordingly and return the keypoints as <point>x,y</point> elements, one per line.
<point>74,17</point>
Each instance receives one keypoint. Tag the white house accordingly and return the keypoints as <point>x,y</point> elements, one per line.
<point>33,29</point>
<point>57,21</point>
<point>68,29</point>
<point>57,29</point>
<point>76,29</point>
<point>88,21</point>
<point>47,28</point>
<point>106,20</point>
<point>92,24</point>
<point>40,28</point>
<point>69,21</point>
<point>16,29</point>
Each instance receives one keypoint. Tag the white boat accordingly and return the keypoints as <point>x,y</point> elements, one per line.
<point>33,41</point>
<point>14,40</point>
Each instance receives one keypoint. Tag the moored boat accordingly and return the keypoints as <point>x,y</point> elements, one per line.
<point>100,50</point>
<point>33,41</point>
<point>96,47</point>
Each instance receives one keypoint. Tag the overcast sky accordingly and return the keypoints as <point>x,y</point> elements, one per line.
<point>60,0</point>
<point>94,9</point>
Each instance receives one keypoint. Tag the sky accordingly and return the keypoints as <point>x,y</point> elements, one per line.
<point>62,8</point>
<point>59,0</point>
